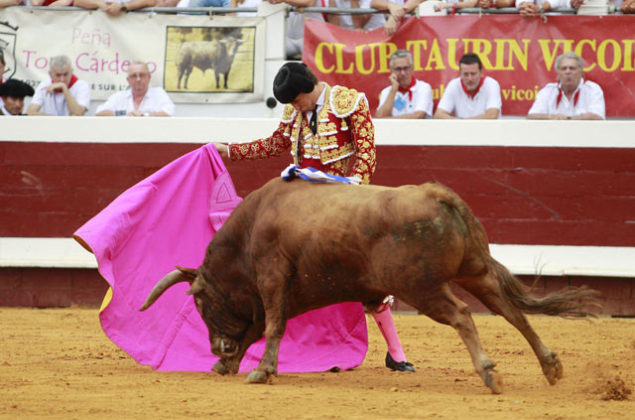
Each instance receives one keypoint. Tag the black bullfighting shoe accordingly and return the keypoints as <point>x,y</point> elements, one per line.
<point>400,366</point>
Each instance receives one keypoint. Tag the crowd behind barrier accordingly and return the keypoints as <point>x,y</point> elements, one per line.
<point>294,48</point>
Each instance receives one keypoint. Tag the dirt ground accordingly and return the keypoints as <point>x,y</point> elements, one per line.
<point>57,363</point>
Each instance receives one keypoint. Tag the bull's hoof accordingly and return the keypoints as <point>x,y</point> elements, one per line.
<point>552,369</point>
<point>220,368</point>
<point>494,381</point>
<point>257,377</point>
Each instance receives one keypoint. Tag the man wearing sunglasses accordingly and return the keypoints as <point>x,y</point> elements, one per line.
<point>406,97</point>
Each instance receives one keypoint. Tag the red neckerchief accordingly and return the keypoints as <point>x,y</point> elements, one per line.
<point>473,94</point>
<point>70,84</point>
<point>324,15</point>
<point>409,88</point>
<point>576,96</point>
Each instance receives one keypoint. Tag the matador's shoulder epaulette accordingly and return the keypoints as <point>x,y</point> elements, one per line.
<point>344,101</point>
<point>288,114</point>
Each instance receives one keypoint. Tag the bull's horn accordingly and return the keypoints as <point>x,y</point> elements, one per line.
<point>176,276</point>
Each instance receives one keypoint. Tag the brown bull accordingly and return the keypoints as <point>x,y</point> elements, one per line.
<point>291,247</point>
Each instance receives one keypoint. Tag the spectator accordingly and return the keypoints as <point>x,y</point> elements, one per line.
<point>397,9</point>
<point>628,6</point>
<point>454,5</point>
<point>406,97</point>
<point>116,8</point>
<point>245,4</point>
<point>295,24</point>
<point>139,100</point>
<point>12,93</point>
<point>571,98</point>
<point>530,8</point>
<point>210,3</point>
<point>329,129</point>
<point>365,22</point>
<point>3,65</point>
<point>497,4</point>
<point>64,94</point>
<point>471,95</point>
<point>7,3</point>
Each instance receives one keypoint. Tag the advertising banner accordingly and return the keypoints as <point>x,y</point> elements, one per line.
<point>518,52</point>
<point>194,58</point>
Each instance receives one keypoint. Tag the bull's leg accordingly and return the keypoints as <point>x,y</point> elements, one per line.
<point>188,71</point>
<point>271,284</point>
<point>487,290</point>
<point>225,77</point>
<point>442,306</point>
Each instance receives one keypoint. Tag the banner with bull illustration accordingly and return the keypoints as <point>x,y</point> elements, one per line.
<point>518,52</point>
<point>194,58</point>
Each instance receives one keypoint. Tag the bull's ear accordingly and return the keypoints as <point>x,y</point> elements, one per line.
<point>195,287</point>
<point>188,272</point>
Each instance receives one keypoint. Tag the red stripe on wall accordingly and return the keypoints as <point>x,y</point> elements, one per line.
<point>523,195</point>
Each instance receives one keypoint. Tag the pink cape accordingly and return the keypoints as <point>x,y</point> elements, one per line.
<point>168,219</point>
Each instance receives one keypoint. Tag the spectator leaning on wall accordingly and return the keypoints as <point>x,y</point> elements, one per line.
<point>405,97</point>
<point>63,94</point>
<point>139,100</point>
<point>572,97</point>
<point>530,8</point>
<point>471,95</point>
<point>497,4</point>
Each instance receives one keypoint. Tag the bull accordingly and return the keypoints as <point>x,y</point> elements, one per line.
<point>291,247</point>
<point>217,55</point>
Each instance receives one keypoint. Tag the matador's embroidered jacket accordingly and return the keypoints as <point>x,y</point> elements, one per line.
<point>344,144</point>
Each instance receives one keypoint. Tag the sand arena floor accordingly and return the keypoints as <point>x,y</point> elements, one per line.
<point>57,363</point>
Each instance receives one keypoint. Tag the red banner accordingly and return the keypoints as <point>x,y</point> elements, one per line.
<point>518,52</point>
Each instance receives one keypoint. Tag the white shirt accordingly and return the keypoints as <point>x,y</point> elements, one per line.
<point>377,20</point>
<point>456,100</point>
<point>55,103</point>
<point>421,100</point>
<point>588,97</point>
<point>156,100</point>
<point>555,4</point>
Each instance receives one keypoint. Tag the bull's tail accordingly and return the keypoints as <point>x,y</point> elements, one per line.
<point>568,302</point>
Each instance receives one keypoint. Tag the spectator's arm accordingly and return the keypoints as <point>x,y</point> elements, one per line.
<point>385,109</point>
<point>499,3</point>
<point>106,113</point>
<point>6,3</point>
<point>442,114</point>
<point>586,116</point>
<point>490,114</point>
<point>34,109</point>
<point>90,4</point>
<point>359,21</point>
<point>74,108</point>
<point>412,115</point>
<point>546,117</point>
<point>332,17</point>
<point>115,9</point>
<point>300,3</point>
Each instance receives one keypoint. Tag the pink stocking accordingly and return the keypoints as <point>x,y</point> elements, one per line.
<point>387,327</point>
